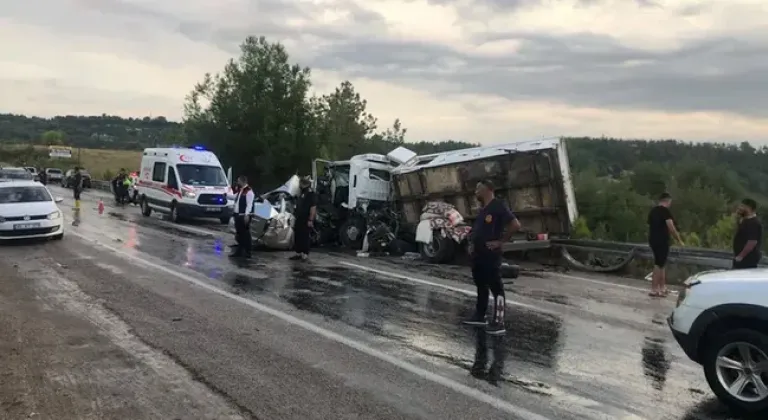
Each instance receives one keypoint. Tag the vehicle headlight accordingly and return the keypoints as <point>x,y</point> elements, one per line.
<point>189,194</point>
<point>55,215</point>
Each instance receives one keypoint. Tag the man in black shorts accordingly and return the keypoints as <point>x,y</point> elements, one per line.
<point>749,236</point>
<point>493,226</point>
<point>661,225</point>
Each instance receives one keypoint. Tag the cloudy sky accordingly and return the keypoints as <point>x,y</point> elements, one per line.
<point>478,70</point>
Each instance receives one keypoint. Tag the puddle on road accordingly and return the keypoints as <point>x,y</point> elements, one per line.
<point>422,320</point>
<point>656,362</point>
<point>117,216</point>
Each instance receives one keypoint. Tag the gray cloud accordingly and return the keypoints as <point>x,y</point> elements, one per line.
<point>513,5</point>
<point>264,17</point>
<point>59,97</point>
<point>716,74</point>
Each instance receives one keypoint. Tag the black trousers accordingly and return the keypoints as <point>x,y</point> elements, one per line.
<point>77,192</point>
<point>744,264</point>
<point>243,235</point>
<point>301,237</point>
<point>486,271</point>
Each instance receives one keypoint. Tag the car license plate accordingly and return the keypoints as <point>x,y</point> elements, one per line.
<point>212,209</point>
<point>26,226</point>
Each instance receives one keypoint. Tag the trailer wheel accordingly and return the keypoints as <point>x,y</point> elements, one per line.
<point>352,233</point>
<point>441,250</point>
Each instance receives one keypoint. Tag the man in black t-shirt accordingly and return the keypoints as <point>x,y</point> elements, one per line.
<point>494,226</point>
<point>749,236</point>
<point>661,226</point>
<point>305,212</point>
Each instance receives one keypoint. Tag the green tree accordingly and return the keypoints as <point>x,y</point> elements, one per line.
<point>343,122</point>
<point>581,229</point>
<point>720,234</point>
<point>53,138</point>
<point>649,179</point>
<point>255,114</point>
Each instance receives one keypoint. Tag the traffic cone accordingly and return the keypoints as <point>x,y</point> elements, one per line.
<point>101,206</point>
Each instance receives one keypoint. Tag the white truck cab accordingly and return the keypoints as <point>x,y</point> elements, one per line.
<point>357,181</point>
<point>184,183</point>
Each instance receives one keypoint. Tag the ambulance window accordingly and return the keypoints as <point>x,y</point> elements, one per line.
<point>172,178</point>
<point>158,172</point>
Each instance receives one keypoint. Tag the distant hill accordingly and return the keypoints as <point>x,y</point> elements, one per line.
<point>94,132</point>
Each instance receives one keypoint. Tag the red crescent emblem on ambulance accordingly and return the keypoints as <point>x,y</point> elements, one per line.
<point>183,158</point>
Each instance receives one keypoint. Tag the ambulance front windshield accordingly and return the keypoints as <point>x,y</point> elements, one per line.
<point>201,175</point>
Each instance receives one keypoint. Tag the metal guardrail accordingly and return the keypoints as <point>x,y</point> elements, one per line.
<point>686,255</point>
<point>101,185</point>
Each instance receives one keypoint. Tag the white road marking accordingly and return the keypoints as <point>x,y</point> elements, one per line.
<point>439,285</point>
<point>460,388</point>
<point>190,229</point>
<point>604,283</point>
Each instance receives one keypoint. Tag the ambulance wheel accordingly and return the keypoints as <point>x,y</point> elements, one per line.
<point>145,209</point>
<point>174,216</point>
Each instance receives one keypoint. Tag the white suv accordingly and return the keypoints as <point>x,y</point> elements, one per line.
<point>721,322</point>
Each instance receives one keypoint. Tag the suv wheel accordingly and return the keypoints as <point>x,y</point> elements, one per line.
<point>736,368</point>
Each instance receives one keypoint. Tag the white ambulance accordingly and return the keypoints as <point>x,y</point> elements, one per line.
<point>184,183</point>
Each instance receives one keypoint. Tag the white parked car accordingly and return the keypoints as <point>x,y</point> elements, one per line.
<point>28,210</point>
<point>721,322</point>
<point>54,175</point>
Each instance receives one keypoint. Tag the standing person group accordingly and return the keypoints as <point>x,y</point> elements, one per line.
<point>747,242</point>
<point>495,224</point>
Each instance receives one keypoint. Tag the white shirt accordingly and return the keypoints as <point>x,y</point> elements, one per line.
<point>249,197</point>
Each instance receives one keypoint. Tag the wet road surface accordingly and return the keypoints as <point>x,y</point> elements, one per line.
<point>345,337</point>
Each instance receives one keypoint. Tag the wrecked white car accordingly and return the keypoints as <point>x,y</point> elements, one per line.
<point>272,224</point>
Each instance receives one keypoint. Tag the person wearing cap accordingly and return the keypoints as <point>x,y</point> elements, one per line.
<point>243,212</point>
<point>493,227</point>
<point>305,219</point>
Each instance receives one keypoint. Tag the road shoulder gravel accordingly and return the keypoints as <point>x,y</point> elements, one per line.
<point>64,356</point>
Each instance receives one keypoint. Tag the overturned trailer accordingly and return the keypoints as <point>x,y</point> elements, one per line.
<point>429,200</point>
<point>533,178</point>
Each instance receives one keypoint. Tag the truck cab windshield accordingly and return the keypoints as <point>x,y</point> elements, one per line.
<point>341,176</point>
<point>207,176</point>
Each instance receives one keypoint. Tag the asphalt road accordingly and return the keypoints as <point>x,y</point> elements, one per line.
<point>134,317</point>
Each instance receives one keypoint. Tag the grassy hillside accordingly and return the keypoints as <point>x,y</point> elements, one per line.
<point>100,162</point>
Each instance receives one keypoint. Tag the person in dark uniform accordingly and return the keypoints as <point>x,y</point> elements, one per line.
<point>77,185</point>
<point>243,211</point>
<point>495,224</point>
<point>77,189</point>
<point>748,240</point>
<point>661,225</point>
<point>305,212</point>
